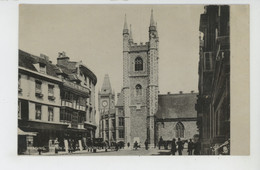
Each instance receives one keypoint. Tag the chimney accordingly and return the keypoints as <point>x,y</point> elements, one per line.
<point>45,57</point>
<point>180,92</point>
<point>62,59</point>
<point>168,92</point>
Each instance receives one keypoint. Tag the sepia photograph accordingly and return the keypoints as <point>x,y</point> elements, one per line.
<point>125,80</point>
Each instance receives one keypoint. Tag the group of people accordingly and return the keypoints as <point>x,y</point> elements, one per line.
<point>193,147</point>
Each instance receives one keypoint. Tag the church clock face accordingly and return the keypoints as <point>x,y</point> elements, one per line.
<point>104,103</point>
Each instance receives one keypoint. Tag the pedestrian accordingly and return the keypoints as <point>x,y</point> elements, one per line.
<point>128,144</point>
<point>135,145</point>
<point>180,146</point>
<point>173,146</point>
<point>146,144</point>
<point>190,147</point>
<point>56,143</point>
<point>160,142</point>
<point>197,147</point>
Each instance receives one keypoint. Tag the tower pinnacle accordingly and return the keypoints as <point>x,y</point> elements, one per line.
<point>125,30</point>
<point>130,35</point>
<point>151,20</point>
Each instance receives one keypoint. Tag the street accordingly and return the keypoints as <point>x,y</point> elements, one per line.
<point>122,152</point>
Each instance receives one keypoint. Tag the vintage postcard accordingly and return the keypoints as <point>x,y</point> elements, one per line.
<point>126,80</point>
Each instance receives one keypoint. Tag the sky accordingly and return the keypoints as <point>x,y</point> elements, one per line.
<point>93,34</point>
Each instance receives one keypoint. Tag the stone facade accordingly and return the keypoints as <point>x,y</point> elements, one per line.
<point>175,111</point>
<point>140,85</point>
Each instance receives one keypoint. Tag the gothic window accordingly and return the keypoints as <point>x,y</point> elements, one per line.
<point>138,89</point>
<point>179,129</point>
<point>138,64</point>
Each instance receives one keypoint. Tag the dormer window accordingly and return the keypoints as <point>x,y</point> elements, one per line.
<point>42,68</point>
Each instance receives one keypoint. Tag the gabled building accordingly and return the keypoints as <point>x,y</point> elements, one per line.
<point>38,103</point>
<point>55,102</point>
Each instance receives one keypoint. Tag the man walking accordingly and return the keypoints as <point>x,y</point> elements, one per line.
<point>173,146</point>
<point>146,144</point>
<point>180,146</point>
<point>190,147</point>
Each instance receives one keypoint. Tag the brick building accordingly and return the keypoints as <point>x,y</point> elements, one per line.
<point>213,105</point>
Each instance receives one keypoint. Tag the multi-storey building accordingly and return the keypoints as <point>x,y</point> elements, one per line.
<point>54,102</point>
<point>111,124</point>
<point>140,85</point>
<point>106,105</point>
<point>77,100</point>
<point>213,105</point>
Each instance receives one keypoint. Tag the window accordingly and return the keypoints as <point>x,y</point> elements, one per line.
<point>113,123</point>
<point>107,124</point>
<point>38,110</point>
<point>138,64</point>
<point>50,114</point>
<point>138,89</point>
<point>19,110</point>
<point>51,90</point>
<point>19,81</point>
<point>38,86</point>
<point>121,121</point>
<point>179,129</point>
<point>42,68</point>
<point>207,62</point>
<point>121,134</point>
<point>114,135</point>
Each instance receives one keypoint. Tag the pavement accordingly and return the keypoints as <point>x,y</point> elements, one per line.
<point>121,152</point>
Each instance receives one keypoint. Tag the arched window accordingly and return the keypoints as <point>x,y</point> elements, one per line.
<point>138,64</point>
<point>179,129</point>
<point>138,89</point>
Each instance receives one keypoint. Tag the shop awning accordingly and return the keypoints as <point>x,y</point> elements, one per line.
<point>21,132</point>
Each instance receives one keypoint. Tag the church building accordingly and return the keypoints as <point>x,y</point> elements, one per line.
<point>140,85</point>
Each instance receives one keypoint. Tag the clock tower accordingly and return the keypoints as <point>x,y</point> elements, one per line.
<point>106,106</point>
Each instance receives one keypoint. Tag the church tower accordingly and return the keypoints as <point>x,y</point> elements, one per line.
<point>106,105</point>
<point>140,85</point>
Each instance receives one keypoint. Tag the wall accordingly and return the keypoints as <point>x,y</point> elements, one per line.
<point>168,133</point>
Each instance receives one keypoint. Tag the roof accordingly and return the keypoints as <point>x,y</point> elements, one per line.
<point>28,60</point>
<point>177,106</point>
<point>106,87</point>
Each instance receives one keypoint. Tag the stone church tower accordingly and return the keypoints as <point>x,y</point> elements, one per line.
<point>140,85</point>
